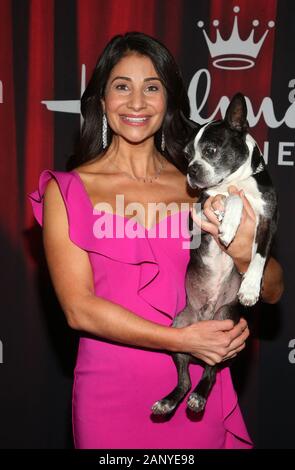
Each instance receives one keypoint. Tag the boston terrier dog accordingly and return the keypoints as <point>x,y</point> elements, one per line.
<point>221,154</point>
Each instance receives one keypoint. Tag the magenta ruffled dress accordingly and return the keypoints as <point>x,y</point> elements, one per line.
<point>115,385</point>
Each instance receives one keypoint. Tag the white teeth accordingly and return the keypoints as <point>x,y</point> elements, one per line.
<point>134,119</point>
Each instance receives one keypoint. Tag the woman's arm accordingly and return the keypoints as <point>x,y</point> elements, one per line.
<point>272,282</point>
<point>241,247</point>
<point>72,278</point>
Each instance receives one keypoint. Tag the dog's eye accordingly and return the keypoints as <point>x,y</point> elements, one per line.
<point>210,150</point>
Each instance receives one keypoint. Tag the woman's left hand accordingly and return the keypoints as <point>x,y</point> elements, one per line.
<point>240,249</point>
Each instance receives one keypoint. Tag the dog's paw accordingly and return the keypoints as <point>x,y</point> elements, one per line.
<point>226,234</point>
<point>196,403</point>
<point>249,292</point>
<point>163,407</point>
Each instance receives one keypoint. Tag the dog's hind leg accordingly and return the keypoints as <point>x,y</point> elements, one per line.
<point>167,404</point>
<point>198,398</point>
<point>229,311</point>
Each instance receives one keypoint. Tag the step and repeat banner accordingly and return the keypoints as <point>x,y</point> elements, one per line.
<point>47,53</point>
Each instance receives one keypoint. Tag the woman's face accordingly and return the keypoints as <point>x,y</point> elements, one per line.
<point>135,99</point>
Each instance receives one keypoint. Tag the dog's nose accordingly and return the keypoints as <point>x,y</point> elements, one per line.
<point>193,169</point>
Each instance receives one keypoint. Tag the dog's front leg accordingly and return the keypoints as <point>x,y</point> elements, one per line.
<point>251,284</point>
<point>198,397</point>
<point>233,208</point>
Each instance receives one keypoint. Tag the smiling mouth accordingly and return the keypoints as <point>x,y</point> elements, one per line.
<point>134,120</point>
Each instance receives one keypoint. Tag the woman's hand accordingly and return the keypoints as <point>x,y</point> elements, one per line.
<point>240,249</point>
<point>214,341</point>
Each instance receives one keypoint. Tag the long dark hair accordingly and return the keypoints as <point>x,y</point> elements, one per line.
<point>177,126</point>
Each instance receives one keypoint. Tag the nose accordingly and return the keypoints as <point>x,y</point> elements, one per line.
<point>137,100</point>
<point>193,169</point>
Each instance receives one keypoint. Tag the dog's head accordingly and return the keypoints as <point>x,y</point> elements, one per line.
<point>220,147</point>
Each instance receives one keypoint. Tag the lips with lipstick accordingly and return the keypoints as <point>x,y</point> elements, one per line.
<point>135,120</point>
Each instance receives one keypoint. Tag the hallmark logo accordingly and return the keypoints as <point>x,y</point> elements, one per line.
<point>234,53</point>
<point>68,106</point>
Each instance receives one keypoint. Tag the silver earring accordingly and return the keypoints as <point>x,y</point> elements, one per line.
<point>104,131</point>
<point>163,142</point>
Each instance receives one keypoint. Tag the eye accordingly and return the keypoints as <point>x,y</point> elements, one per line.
<point>210,150</point>
<point>121,87</point>
<point>153,88</point>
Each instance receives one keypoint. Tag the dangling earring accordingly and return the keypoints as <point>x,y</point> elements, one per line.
<point>104,131</point>
<point>163,142</point>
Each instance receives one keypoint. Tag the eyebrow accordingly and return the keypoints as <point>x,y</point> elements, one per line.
<point>148,79</point>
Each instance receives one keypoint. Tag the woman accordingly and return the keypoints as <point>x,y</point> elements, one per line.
<point>122,293</point>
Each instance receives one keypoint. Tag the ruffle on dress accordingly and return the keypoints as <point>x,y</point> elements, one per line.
<point>158,286</point>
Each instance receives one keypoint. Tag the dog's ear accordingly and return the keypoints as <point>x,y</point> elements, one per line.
<point>236,114</point>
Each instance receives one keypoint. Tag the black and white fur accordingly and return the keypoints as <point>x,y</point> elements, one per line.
<point>222,153</point>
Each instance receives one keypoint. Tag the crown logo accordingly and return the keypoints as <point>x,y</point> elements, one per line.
<point>234,53</point>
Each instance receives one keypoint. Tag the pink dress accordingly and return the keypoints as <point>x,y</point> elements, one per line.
<point>115,385</point>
